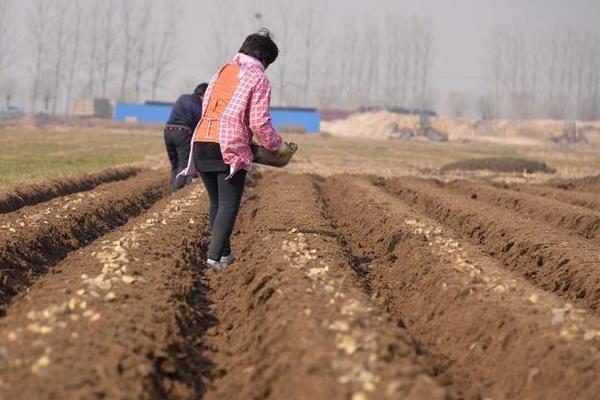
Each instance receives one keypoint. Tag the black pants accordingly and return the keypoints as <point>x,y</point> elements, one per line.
<point>225,198</point>
<point>178,149</point>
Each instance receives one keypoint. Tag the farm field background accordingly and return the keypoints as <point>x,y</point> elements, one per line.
<point>363,272</point>
<point>35,154</point>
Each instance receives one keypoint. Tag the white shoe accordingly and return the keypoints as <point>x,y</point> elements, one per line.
<point>228,259</point>
<point>216,265</point>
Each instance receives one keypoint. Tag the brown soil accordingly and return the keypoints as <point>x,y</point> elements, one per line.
<point>461,303</point>
<point>587,184</point>
<point>35,238</point>
<point>499,165</point>
<point>552,259</point>
<point>120,319</point>
<point>14,198</point>
<point>576,219</point>
<point>294,323</point>
<point>347,287</point>
<point>574,197</point>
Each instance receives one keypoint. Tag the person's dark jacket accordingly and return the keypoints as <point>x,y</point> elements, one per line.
<point>186,111</point>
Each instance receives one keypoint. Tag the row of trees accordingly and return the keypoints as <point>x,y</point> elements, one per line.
<point>554,76</point>
<point>127,51</point>
<point>90,48</point>
<point>364,64</point>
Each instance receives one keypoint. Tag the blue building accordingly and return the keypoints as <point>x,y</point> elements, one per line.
<point>293,119</point>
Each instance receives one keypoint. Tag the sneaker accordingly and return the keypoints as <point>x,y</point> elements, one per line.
<point>228,259</point>
<point>216,265</point>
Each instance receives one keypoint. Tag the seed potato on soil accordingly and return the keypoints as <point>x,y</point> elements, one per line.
<point>294,323</point>
<point>122,319</point>
<point>33,239</point>
<point>502,337</point>
<point>346,287</point>
<point>556,261</point>
<point>14,198</point>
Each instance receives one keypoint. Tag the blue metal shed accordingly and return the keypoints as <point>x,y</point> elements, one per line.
<point>307,119</point>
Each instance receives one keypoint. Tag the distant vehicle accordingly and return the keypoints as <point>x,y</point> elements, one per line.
<point>11,112</point>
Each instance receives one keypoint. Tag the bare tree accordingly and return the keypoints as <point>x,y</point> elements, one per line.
<point>107,43</point>
<point>372,51</point>
<point>226,33</point>
<point>163,49</point>
<point>8,89</point>
<point>458,103</point>
<point>140,51</point>
<point>38,26</point>
<point>46,90</point>
<point>93,44</point>
<point>59,18</point>
<point>310,25</point>
<point>421,59</point>
<point>285,38</point>
<point>128,42</point>
<point>426,63</point>
<point>76,15</point>
<point>485,107</point>
<point>5,47</point>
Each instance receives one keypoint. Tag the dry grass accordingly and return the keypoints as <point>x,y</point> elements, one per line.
<point>37,154</point>
<point>32,155</point>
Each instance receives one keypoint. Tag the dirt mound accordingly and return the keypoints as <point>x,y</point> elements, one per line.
<point>375,125</point>
<point>11,199</point>
<point>518,165</point>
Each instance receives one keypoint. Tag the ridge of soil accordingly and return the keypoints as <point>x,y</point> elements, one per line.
<point>34,239</point>
<point>572,197</point>
<point>557,262</point>
<point>294,323</point>
<point>462,304</point>
<point>575,219</point>
<point>586,184</point>
<point>14,198</point>
<point>121,318</point>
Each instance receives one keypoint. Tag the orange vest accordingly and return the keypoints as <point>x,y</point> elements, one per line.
<point>223,89</point>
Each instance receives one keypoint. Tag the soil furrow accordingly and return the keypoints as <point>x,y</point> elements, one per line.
<point>581,199</point>
<point>14,198</point>
<point>555,261</point>
<point>579,220</point>
<point>502,337</point>
<point>589,184</point>
<point>121,319</point>
<point>34,239</point>
<point>294,322</point>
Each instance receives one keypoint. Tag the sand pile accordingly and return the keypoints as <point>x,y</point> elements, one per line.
<point>374,125</point>
<point>386,125</point>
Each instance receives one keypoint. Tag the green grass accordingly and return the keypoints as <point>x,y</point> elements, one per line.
<point>37,155</point>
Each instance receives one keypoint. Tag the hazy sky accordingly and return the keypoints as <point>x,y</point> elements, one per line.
<point>461,28</point>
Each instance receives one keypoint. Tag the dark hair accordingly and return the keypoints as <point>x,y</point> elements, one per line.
<point>200,89</point>
<point>261,46</point>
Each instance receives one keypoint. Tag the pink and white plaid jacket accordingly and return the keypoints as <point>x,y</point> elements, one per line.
<point>246,116</point>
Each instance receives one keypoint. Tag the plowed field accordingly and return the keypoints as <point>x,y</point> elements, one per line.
<point>346,287</point>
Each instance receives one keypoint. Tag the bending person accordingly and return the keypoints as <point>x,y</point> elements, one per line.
<point>183,120</point>
<point>236,110</point>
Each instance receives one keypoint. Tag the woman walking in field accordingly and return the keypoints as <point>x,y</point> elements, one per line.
<point>235,109</point>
